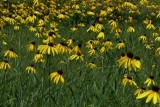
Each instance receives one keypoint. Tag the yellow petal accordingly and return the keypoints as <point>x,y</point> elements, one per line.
<point>150,96</point>
<point>144,94</point>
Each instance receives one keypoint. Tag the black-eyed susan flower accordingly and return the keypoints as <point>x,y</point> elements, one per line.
<point>5,65</point>
<point>121,44</point>
<point>93,52</point>
<point>38,57</point>
<point>158,51</point>
<point>90,44</point>
<point>62,47</point>
<point>31,69</point>
<point>152,94</point>
<point>113,23</point>
<point>77,48</point>
<point>125,60</point>
<point>77,56</point>
<point>139,91</point>
<point>136,64</point>
<point>57,76</point>
<point>128,61</point>
<point>150,26</point>
<point>69,42</point>
<point>31,46</point>
<point>143,38</point>
<point>92,65</point>
<point>47,49</point>
<point>131,29</point>
<point>150,81</point>
<point>92,28</point>
<point>128,79</point>
<point>101,35</point>
<point>10,53</point>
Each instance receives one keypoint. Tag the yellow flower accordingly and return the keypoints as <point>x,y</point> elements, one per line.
<point>10,53</point>
<point>31,46</point>
<point>151,95</point>
<point>125,60</point>
<point>5,65</point>
<point>136,63</point>
<point>31,69</point>
<point>38,57</point>
<point>128,79</point>
<point>143,38</point>
<point>92,65</point>
<point>121,44</point>
<point>57,76</point>
<point>62,47</point>
<point>150,26</point>
<point>93,28</point>
<point>157,39</point>
<point>78,56</point>
<point>101,35</point>
<point>139,91</point>
<point>131,29</point>
<point>73,29</point>
<point>77,48</point>
<point>158,51</point>
<point>92,52</point>
<point>150,81</point>
<point>113,23</point>
<point>69,42</point>
<point>47,49</point>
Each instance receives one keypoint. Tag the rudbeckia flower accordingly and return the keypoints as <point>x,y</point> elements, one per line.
<point>92,65</point>
<point>128,80</point>
<point>5,65</point>
<point>31,46</point>
<point>131,29</point>
<point>38,57</point>
<point>101,35</point>
<point>136,63</point>
<point>47,49</point>
<point>150,26</point>
<point>158,51</point>
<point>10,53</point>
<point>121,44</point>
<point>31,69</point>
<point>152,94</point>
<point>129,61</point>
<point>92,52</point>
<point>77,56</point>
<point>57,76</point>
<point>125,60</point>
<point>139,91</point>
<point>143,38</point>
<point>150,81</point>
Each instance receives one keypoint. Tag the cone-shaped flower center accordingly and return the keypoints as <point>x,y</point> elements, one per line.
<point>151,77</point>
<point>130,54</point>
<point>156,88</point>
<point>50,44</point>
<point>60,72</point>
<point>129,77</point>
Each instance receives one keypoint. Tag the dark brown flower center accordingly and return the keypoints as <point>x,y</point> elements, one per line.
<point>6,61</point>
<point>33,43</point>
<point>156,88</point>
<point>151,77</point>
<point>11,49</point>
<point>50,44</point>
<point>137,58</point>
<point>60,72</point>
<point>129,77</point>
<point>130,54</point>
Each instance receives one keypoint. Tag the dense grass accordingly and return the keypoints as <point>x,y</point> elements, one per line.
<point>83,87</point>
